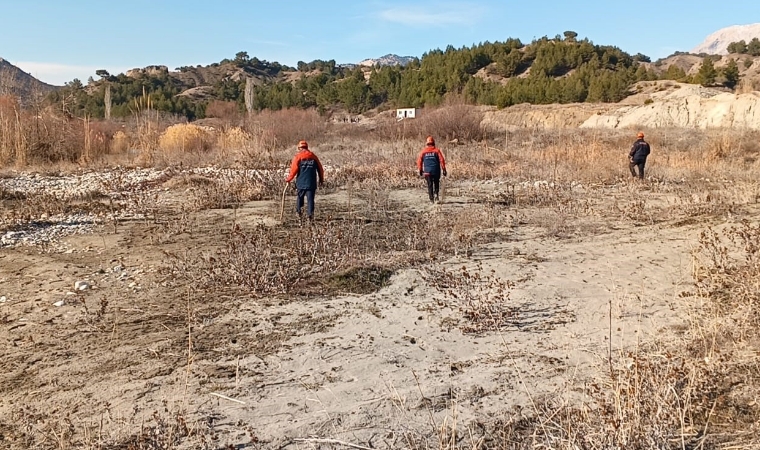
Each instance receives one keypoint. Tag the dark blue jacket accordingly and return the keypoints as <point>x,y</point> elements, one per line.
<point>639,151</point>
<point>307,168</point>
<point>431,161</point>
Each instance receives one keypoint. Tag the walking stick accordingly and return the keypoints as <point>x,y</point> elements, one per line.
<point>443,190</point>
<point>282,203</point>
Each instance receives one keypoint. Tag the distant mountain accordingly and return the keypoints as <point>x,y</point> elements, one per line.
<point>716,43</point>
<point>16,82</point>
<point>387,60</point>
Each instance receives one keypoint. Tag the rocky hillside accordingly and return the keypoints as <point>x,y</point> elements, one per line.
<point>654,104</point>
<point>716,43</point>
<point>387,60</point>
<point>16,82</point>
<point>749,67</point>
<point>197,82</point>
<point>669,104</point>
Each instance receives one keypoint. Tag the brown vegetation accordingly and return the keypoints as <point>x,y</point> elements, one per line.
<point>696,387</point>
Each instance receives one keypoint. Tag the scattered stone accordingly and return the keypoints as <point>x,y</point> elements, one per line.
<point>59,303</point>
<point>115,185</point>
<point>3,299</point>
<point>82,286</point>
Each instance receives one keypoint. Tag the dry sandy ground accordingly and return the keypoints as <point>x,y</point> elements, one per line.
<point>381,370</point>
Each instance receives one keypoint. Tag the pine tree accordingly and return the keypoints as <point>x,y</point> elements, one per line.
<point>707,72</point>
<point>753,48</point>
<point>731,73</point>
<point>739,47</point>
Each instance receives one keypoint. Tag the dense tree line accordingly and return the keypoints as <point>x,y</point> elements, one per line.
<point>127,96</point>
<point>562,69</point>
<point>544,71</point>
<point>743,48</point>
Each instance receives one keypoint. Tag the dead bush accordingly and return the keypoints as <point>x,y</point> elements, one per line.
<point>233,139</point>
<point>225,110</point>
<point>455,122</point>
<point>284,128</point>
<point>119,142</point>
<point>185,138</point>
<point>458,122</point>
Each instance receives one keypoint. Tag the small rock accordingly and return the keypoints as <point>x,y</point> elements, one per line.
<point>81,286</point>
<point>132,284</point>
<point>3,299</point>
<point>59,303</point>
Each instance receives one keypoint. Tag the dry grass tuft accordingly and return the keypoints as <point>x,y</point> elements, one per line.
<point>233,139</point>
<point>185,138</point>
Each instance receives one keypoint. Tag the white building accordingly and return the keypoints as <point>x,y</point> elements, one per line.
<point>405,113</point>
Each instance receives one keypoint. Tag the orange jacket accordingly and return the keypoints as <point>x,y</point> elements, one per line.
<point>430,160</point>
<point>304,165</point>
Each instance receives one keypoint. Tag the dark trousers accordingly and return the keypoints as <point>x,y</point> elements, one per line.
<point>309,194</point>
<point>434,185</point>
<point>640,165</point>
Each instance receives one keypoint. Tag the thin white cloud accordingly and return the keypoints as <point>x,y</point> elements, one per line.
<point>59,74</point>
<point>452,14</point>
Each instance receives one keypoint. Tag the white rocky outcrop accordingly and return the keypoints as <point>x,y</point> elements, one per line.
<point>717,43</point>
<point>689,107</point>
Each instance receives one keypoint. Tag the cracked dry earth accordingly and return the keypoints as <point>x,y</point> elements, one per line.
<point>139,350</point>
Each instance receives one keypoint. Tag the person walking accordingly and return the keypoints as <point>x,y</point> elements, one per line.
<point>638,156</point>
<point>307,170</point>
<point>431,164</point>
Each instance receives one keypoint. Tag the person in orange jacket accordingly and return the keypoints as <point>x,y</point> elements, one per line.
<point>431,165</point>
<point>306,169</point>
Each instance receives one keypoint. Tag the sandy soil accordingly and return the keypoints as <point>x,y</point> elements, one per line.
<point>141,352</point>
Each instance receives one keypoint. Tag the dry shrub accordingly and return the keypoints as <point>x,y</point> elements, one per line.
<point>653,401</point>
<point>50,138</point>
<point>145,128</point>
<point>225,110</point>
<point>11,136</point>
<point>45,136</point>
<point>27,427</point>
<point>385,238</point>
<point>101,137</point>
<point>459,122</point>
<point>697,392</point>
<point>382,174</point>
<point>284,128</point>
<point>747,86</point>
<point>185,138</point>
<point>481,299</point>
<point>119,142</point>
<point>455,122</point>
<point>233,138</point>
<point>728,273</point>
<point>238,189</point>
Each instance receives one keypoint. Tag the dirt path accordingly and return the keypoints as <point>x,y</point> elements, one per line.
<point>376,369</point>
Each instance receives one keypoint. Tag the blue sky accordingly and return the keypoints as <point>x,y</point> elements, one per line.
<point>58,40</point>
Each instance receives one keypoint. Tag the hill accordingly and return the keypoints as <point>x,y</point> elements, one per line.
<point>681,66</point>
<point>547,70</point>
<point>16,82</point>
<point>388,60</point>
<point>717,42</point>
